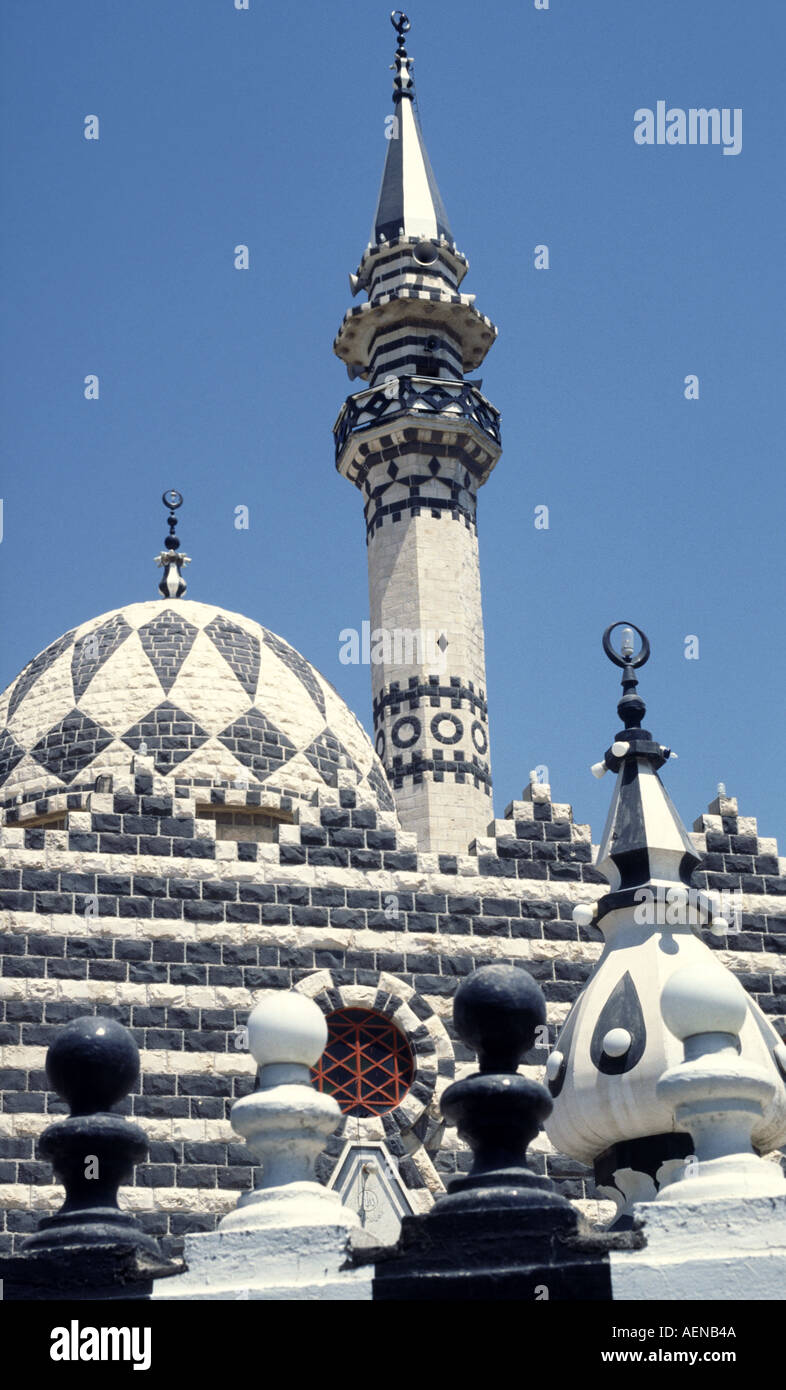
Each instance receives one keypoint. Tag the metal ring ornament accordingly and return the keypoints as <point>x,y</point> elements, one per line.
<point>635,662</point>
<point>166,498</point>
<point>400,22</point>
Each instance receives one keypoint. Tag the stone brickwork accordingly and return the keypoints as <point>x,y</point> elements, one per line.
<point>136,910</point>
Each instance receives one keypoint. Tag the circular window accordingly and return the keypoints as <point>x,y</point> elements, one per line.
<point>367,1064</point>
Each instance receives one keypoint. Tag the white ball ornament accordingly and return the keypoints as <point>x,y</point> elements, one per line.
<point>286,1027</point>
<point>617,1042</point>
<point>698,1000</point>
<point>553,1063</point>
<point>584,914</point>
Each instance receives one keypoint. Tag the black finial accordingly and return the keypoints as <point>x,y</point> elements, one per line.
<point>92,1064</point>
<point>497,1112</point>
<point>501,1231</point>
<point>631,708</point>
<point>632,741</point>
<point>402,83</point>
<point>172,585</point>
<point>496,1012</point>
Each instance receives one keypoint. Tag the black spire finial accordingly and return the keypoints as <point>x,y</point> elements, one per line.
<point>632,741</point>
<point>631,708</point>
<point>172,585</point>
<point>402,83</point>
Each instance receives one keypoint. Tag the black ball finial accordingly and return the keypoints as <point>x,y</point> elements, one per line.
<point>92,1064</point>
<point>496,1012</point>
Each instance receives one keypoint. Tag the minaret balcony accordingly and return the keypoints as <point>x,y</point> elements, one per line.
<point>458,408</point>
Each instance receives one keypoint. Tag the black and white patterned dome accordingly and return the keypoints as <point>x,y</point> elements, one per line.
<point>213,697</point>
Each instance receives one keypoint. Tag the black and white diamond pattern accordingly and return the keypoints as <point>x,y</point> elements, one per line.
<point>327,754</point>
<point>10,755</point>
<point>168,734</point>
<point>94,649</point>
<point>71,745</point>
<point>240,650</point>
<point>212,696</point>
<point>379,784</point>
<point>299,666</point>
<point>167,640</point>
<point>258,744</point>
<point>37,667</point>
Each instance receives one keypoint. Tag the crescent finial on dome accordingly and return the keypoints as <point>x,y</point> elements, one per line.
<point>172,585</point>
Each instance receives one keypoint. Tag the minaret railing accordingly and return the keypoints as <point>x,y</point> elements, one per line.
<point>407,395</point>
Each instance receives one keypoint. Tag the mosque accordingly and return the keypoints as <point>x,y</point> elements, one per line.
<point>191,816</point>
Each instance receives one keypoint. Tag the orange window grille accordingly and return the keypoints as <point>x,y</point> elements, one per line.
<point>367,1063</point>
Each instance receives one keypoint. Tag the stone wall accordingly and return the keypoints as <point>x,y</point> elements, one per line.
<point>135,910</point>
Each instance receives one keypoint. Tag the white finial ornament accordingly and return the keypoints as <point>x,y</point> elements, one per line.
<point>716,1095</point>
<point>287,1122</point>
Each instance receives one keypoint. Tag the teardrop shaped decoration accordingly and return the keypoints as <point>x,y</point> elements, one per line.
<point>622,1011</point>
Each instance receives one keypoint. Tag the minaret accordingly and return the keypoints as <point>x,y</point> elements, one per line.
<point>418,442</point>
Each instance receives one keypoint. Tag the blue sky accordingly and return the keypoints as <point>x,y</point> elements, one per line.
<point>266,127</point>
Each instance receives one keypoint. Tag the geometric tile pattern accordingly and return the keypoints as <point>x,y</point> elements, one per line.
<point>36,668</point>
<point>299,667</point>
<point>167,640</point>
<point>10,754</point>
<point>70,745</point>
<point>144,679</point>
<point>240,649</point>
<point>96,647</point>
<point>258,744</point>
<point>167,734</point>
<point>379,784</point>
<point>326,754</point>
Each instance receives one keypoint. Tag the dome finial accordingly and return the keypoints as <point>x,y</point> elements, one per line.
<point>402,83</point>
<point>172,585</point>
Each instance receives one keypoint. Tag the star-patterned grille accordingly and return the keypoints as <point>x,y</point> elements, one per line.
<point>367,1064</point>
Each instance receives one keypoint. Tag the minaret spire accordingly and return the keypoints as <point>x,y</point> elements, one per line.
<point>409,202</point>
<point>418,442</point>
<point>172,585</point>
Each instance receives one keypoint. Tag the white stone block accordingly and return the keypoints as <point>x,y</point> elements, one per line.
<point>713,1251</point>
